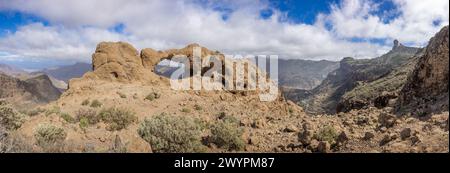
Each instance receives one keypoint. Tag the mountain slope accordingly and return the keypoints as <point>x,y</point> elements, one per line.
<point>379,93</point>
<point>35,90</point>
<point>350,74</point>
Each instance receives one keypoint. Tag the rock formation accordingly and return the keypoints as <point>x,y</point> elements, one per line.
<point>117,62</point>
<point>427,87</point>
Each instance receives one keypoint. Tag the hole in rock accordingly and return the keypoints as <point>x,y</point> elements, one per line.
<point>114,75</point>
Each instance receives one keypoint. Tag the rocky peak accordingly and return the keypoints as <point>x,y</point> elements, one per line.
<point>399,48</point>
<point>396,44</point>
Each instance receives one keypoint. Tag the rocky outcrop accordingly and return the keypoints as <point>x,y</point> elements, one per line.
<point>121,62</point>
<point>427,87</point>
<point>116,62</point>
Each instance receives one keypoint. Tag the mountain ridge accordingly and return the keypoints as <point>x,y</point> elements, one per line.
<point>352,72</point>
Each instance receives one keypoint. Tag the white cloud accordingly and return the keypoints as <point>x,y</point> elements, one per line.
<point>76,26</point>
<point>414,25</point>
<point>37,41</point>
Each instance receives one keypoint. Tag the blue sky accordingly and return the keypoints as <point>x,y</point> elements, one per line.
<point>46,33</point>
<point>303,11</point>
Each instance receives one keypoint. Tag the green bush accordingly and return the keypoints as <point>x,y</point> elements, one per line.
<point>83,123</point>
<point>228,135</point>
<point>88,115</point>
<point>328,133</point>
<point>198,107</point>
<point>186,110</point>
<point>66,117</point>
<point>10,118</point>
<point>49,136</point>
<point>96,104</point>
<point>152,96</point>
<point>85,102</point>
<point>117,118</point>
<point>171,134</point>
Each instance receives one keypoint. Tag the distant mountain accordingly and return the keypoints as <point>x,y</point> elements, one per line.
<point>304,74</point>
<point>35,90</point>
<point>351,74</point>
<point>11,70</point>
<point>65,73</point>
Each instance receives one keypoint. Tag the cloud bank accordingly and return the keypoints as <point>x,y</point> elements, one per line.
<point>359,28</point>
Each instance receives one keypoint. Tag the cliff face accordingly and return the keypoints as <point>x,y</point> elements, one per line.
<point>426,89</point>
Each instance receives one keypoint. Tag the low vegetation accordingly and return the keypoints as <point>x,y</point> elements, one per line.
<point>198,107</point>
<point>96,104</point>
<point>53,110</point>
<point>152,96</point>
<point>227,134</point>
<point>172,134</point>
<point>87,115</point>
<point>67,117</point>
<point>117,118</point>
<point>327,133</point>
<point>11,142</point>
<point>10,118</point>
<point>49,137</point>
<point>186,110</point>
<point>85,102</point>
